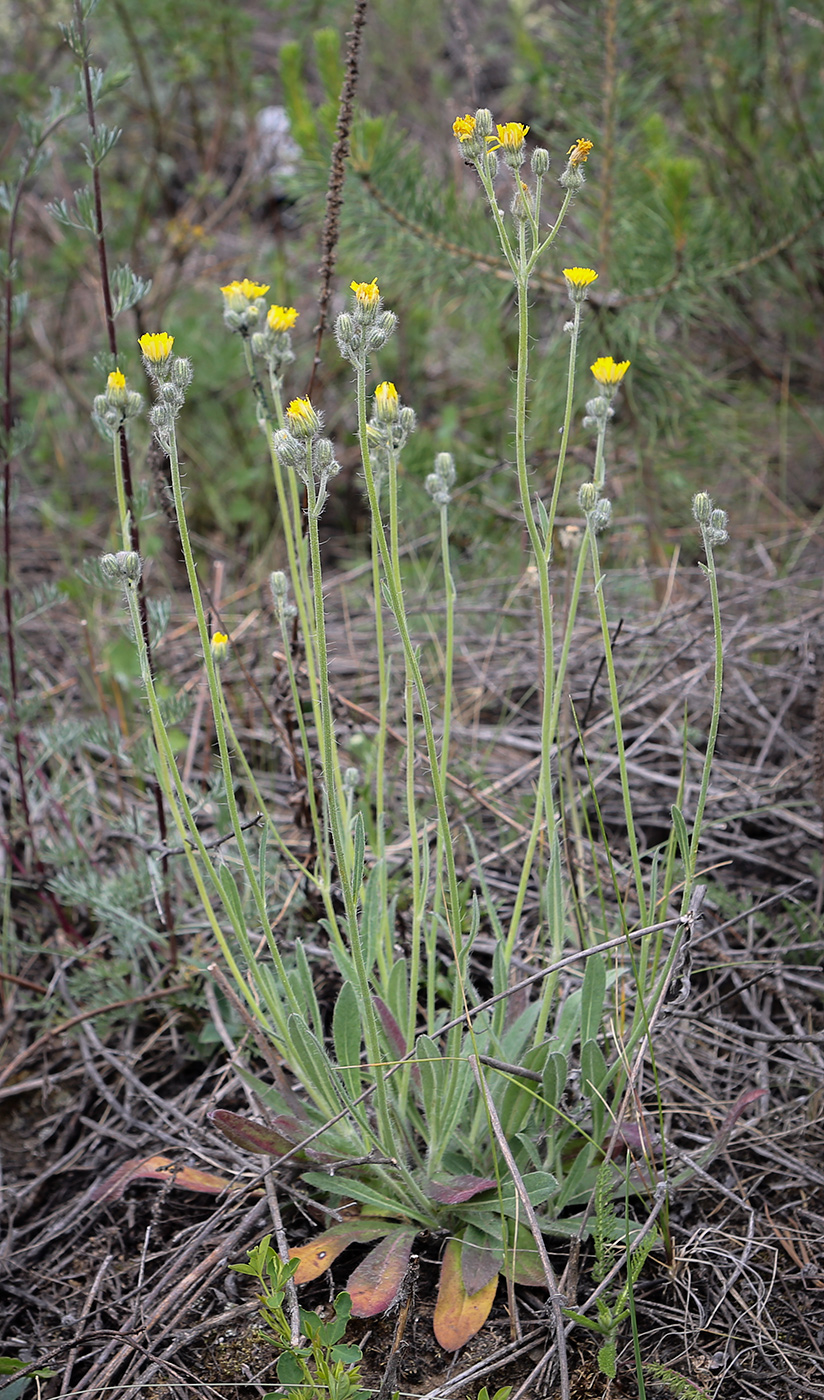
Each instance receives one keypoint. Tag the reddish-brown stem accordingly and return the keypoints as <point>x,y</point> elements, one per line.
<point>337,171</point>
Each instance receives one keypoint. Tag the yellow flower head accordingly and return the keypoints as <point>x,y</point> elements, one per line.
<point>156,347</point>
<point>301,419</point>
<point>386,402</point>
<point>116,381</point>
<point>366,293</point>
<point>578,151</point>
<point>238,295</point>
<point>281,318</point>
<point>607,373</point>
<point>580,276</point>
<point>219,646</point>
<point>511,136</point>
<point>464,127</point>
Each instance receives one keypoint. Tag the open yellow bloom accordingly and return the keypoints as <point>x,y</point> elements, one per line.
<point>578,151</point>
<point>301,419</point>
<point>511,136</point>
<point>607,373</point>
<point>366,293</point>
<point>116,381</point>
<point>156,347</point>
<point>281,318</point>
<point>239,294</point>
<point>464,127</point>
<point>580,276</point>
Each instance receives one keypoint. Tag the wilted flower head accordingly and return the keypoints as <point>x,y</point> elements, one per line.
<point>573,176</point>
<point>464,127</point>
<point>578,151</point>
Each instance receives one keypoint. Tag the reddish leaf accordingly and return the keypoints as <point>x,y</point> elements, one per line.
<point>459,1188</point>
<point>376,1283</point>
<point>394,1034</point>
<point>634,1138</point>
<point>159,1169</point>
<point>735,1113</point>
<point>459,1315</point>
<point>281,1137</point>
<point>316,1256</point>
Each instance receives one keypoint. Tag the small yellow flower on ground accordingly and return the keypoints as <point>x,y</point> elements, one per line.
<point>578,151</point>
<point>156,347</point>
<point>607,373</point>
<point>366,293</point>
<point>281,318</point>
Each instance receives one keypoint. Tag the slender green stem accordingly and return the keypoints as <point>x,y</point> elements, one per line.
<point>714,720</point>
<point>350,894</point>
<point>615,702</point>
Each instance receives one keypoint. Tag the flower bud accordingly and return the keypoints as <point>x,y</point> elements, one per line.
<point>182,372</point>
<point>483,122</point>
<point>539,161</point>
<point>219,647</point>
<point>702,508</point>
<point>588,497</point>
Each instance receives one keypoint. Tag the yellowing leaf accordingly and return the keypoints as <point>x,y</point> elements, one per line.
<point>459,1315</point>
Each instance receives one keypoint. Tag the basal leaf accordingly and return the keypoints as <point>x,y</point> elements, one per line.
<point>481,1259</point>
<point>459,1188</point>
<point>458,1314</point>
<point>316,1256</point>
<point>377,1281</point>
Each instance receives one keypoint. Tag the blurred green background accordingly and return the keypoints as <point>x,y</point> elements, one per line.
<point>701,212</point>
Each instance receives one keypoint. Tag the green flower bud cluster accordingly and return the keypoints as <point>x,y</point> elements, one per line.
<point>439,483</point>
<point>172,379</point>
<point>279,586</point>
<point>114,408</point>
<point>388,429</point>
<point>596,508</point>
<point>599,411</point>
<point>713,522</point>
<point>365,328</point>
<point>122,567</point>
<point>300,448</point>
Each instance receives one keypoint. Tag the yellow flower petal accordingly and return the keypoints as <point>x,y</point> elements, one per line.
<point>607,373</point>
<point>156,347</point>
<point>281,318</point>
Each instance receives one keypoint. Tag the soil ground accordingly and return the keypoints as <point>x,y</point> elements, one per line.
<point>132,1295</point>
